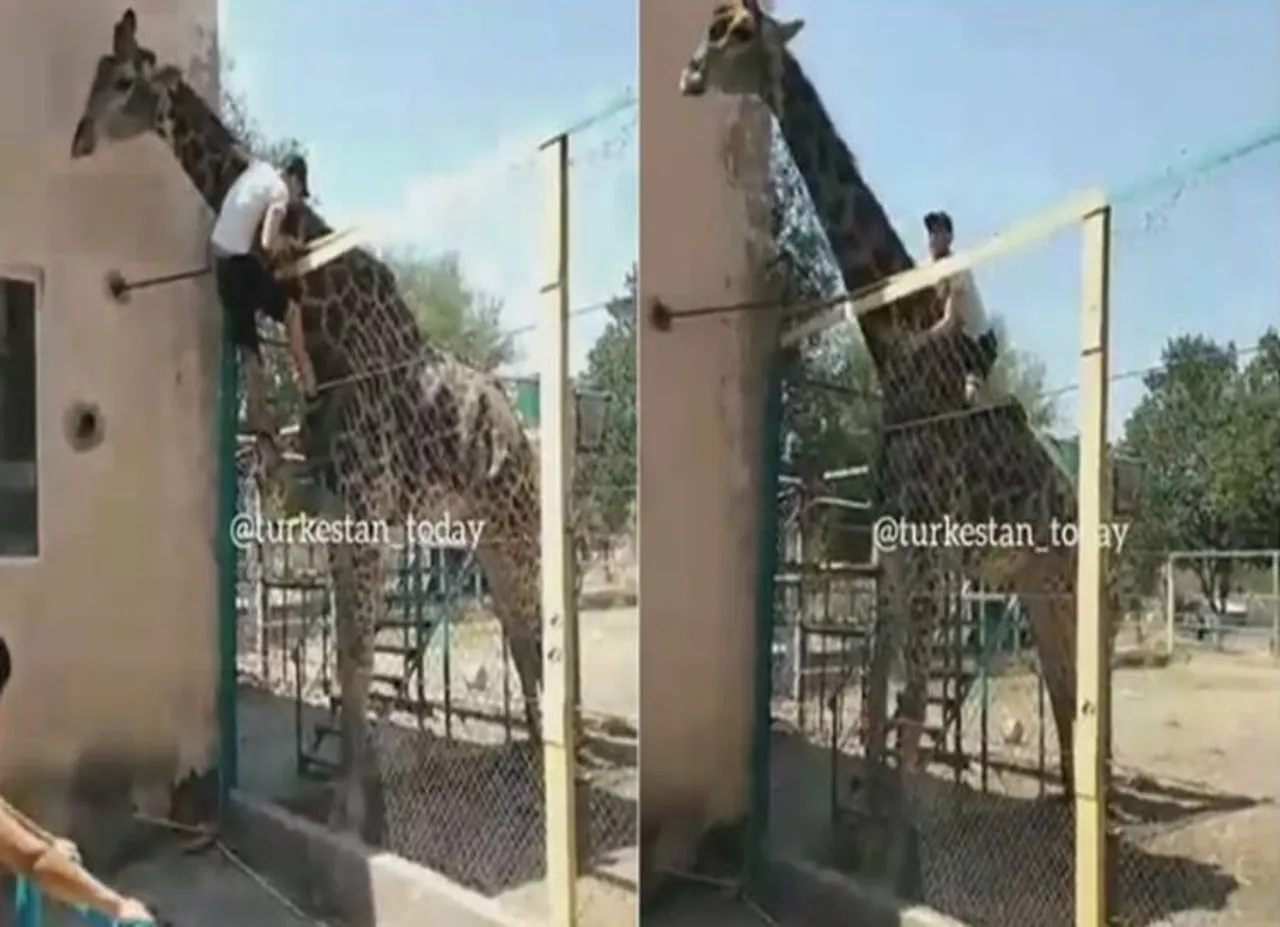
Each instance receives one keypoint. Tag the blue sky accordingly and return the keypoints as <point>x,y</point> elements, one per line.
<point>999,108</point>
<point>415,110</point>
<point>422,119</point>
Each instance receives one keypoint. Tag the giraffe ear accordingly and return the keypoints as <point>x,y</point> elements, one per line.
<point>788,31</point>
<point>168,76</point>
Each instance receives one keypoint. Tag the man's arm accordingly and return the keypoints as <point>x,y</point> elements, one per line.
<point>273,219</point>
<point>950,317</point>
<point>298,347</point>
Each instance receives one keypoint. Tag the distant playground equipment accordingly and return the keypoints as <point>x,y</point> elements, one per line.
<point>820,659</point>
<point>821,648</point>
<point>1213,625</point>
<point>287,609</point>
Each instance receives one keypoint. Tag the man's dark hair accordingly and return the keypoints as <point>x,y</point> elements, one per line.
<point>938,222</point>
<point>296,166</point>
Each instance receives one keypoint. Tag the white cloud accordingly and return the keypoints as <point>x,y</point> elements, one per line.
<point>493,211</point>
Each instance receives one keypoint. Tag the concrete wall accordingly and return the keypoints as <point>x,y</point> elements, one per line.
<point>113,627</point>
<point>701,399</point>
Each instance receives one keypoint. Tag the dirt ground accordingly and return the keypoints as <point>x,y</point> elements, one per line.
<point>466,799</point>
<point>1196,754</point>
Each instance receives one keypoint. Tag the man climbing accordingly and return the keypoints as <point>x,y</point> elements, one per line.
<point>963,323</point>
<point>249,250</point>
<point>51,863</point>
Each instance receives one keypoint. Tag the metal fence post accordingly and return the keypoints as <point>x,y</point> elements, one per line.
<point>559,614</point>
<point>228,418</point>
<point>1093,664</point>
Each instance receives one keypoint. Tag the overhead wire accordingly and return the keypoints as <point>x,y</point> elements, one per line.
<point>1177,179</point>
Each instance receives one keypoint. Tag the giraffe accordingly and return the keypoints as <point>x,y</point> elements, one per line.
<point>744,53</point>
<point>407,431</point>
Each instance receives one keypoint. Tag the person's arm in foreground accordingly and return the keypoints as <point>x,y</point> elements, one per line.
<point>28,850</point>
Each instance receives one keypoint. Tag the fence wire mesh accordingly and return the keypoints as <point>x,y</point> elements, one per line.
<point>389,594</point>
<point>924,641</point>
<point>1196,402</point>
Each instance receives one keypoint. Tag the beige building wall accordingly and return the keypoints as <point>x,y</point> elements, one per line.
<point>113,626</point>
<point>701,396</point>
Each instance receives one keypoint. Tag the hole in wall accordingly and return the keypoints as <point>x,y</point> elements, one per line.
<point>83,425</point>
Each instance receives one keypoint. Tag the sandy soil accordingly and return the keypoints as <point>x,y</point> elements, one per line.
<point>1196,750</point>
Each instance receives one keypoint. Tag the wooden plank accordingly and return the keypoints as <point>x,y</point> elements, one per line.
<point>326,248</point>
<point>898,287</point>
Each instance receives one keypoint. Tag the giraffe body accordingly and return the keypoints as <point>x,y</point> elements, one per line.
<point>409,431</point>
<point>927,469</point>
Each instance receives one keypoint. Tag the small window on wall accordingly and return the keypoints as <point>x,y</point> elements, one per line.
<point>19,499</point>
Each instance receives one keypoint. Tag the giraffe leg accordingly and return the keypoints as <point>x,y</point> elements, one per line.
<point>924,616</point>
<point>1052,619</point>
<point>526,654</point>
<point>357,578</point>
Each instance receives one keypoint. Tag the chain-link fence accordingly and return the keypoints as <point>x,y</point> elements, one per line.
<point>924,639</point>
<point>389,596</point>
<point>1195,686</point>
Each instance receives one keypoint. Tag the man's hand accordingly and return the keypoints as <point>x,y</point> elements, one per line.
<point>133,911</point>
<point>286,255</point>
<point>67,848</point>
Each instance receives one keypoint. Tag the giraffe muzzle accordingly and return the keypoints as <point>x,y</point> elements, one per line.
<point>84,141</point>
<point>693,80</point>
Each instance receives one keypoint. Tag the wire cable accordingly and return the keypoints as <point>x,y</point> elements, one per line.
<point>1177,179</point>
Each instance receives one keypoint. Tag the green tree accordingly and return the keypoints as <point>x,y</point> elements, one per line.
<point>605,479</point>
<point>1206,434</point>
<point>452,314</point>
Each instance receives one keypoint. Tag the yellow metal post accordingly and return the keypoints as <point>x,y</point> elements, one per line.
<point>558,607</point>
<point>1093,672</point>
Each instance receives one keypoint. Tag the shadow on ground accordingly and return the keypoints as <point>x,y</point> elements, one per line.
<point>994,859</point>
<point>473,812</point>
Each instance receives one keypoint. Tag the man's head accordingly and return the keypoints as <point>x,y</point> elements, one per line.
<point>294,172</point>
<point>937,226</point>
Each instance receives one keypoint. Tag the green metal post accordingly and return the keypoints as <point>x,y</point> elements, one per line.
<point>228,561</point>
<point>766,577</point>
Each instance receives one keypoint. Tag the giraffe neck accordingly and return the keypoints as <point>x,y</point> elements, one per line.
<point>209,153</point>
<point>205,148</point>
<point>863,241</point>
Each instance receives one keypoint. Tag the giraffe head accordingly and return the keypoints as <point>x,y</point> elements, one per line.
<point>740,53</point>
<point>129,93</point>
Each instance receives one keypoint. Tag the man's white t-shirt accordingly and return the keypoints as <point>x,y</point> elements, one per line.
<point>967,302</point>
<point>259,187</point>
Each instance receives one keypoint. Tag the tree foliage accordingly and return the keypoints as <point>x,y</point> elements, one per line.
<point>452,313</point>
<point>605,479</point>
<point>1207,433</point>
